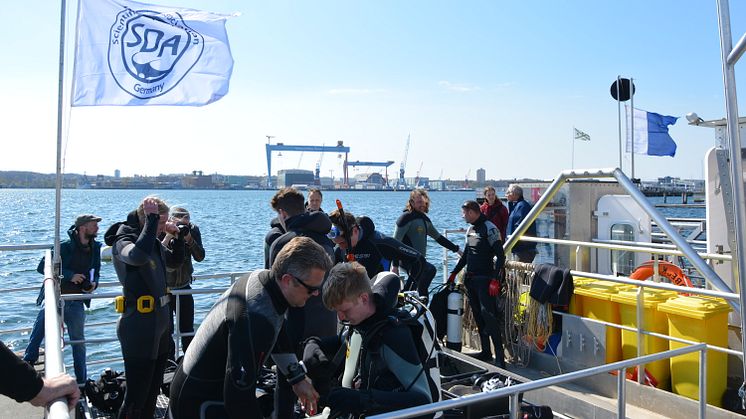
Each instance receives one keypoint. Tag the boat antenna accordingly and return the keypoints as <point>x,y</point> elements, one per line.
<point>347,231</point>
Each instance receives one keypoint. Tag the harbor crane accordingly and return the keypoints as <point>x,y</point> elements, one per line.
<point>401,183</point>
<point>339,148</point>
<point>384,164</point>
<point>317,174</point>
<point>417,176</point>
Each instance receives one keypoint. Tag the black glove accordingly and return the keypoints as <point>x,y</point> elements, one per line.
<point>315,359</point>
<point>344,401</point>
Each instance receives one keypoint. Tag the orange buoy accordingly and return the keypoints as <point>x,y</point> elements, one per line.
<point>666,269</point>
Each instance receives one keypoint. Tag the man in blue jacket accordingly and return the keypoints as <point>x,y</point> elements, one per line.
<point>519,209</point>
<point>81,263</point>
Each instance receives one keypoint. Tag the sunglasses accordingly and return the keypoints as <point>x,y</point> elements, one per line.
<point>308,288</point>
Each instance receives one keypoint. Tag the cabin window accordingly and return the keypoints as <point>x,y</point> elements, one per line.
<point>622,261</point>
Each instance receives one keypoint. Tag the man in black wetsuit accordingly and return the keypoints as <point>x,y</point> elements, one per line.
<point>313,319</point>
<point>391,373</point>
<point>482,246</point>
<point>140,261</point>
<point>220,369</point>
<point>377,252</point>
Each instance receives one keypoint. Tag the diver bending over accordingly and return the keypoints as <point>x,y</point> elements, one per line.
<point>220,369</point>
<point>391,375</point>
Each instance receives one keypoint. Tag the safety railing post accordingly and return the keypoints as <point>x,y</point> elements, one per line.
<point>177,328</point>
<point>621,395</point>
<point>515,410</point>
<point>703,383</point>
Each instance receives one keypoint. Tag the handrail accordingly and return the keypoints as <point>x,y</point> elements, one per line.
<point>513,391</point>
<point>699,264</point>
<point>53,365</point>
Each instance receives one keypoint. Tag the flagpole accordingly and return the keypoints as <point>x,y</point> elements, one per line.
<point>632,124</point>
<point>619,118</point>
<point>572,135</point>
<point>58,181</point>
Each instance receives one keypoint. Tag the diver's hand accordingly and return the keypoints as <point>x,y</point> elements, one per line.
<point>55,388</point>
<point>344,401</point>
<point>307,395</point>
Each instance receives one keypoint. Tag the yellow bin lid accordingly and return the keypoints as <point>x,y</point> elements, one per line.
<point>695,307</point>
<point>651,297</point>
<point>601,290</point>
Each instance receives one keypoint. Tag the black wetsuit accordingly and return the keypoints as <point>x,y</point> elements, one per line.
<point>140,262</point>
<point>231,344</point>
<point>275,230</point>
<point>20,381</point>
<point>378,253</point>
<point>313,319</point>
<point>482,246</point>
<point>391,373</point>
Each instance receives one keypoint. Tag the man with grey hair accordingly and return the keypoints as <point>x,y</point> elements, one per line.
<point>220,369</point>
<point>518,207</point>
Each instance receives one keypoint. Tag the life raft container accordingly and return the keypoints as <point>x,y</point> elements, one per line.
<point>666,269</point>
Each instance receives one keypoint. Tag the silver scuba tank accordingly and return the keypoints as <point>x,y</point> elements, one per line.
<point>453,320</point>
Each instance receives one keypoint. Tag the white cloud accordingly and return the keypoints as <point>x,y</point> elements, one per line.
<point>457,87</point>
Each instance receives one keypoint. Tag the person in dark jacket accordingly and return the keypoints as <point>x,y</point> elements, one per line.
<point>414,226</point>
<point>519,209</point>
<point>313,319</point>
<point>495,211</point>
<point>378,252</point>
<point>391,373</point>
<point>80,256</point>
<point>21,383</point>
<point>484,259</point>
<point>140,261</point>
<point>180,278</point>
<point>276,230</point>
<point>220,369</point>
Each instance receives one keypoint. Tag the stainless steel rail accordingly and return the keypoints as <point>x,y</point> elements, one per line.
<point>699,264</point>
<point>53,365</point>
<point>513,391</point>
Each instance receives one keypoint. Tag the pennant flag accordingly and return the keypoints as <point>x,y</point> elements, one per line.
<point>580,135</point>
<point>651,133</point>
<point>134,54</point>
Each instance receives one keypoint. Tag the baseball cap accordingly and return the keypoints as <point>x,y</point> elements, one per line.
<point>85,218</point>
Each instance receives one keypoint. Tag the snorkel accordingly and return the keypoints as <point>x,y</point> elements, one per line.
<point>346,230</point>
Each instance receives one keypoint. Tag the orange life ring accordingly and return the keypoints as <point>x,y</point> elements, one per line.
<point>666,269</point>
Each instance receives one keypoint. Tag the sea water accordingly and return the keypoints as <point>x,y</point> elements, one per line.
<point>233,226</point>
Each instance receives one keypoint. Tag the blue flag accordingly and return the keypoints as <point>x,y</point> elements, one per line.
<point>651,134</point>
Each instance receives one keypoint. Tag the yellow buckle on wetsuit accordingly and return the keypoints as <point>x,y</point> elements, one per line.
<point>119,304</point>
<point>145,304</point>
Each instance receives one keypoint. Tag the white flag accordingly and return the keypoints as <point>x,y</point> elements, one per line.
<point>131,53</point>
<point>580,135</point>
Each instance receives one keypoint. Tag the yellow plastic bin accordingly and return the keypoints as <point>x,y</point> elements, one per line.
<point>699,319</point>
<point>576,301</point>
<point>597,304</point>
<point>652,321</point>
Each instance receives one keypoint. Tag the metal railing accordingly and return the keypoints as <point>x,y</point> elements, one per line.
<point>513,392</point>
<point>53,365</point>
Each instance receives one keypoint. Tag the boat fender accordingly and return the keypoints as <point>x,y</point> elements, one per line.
<point>454,312</point>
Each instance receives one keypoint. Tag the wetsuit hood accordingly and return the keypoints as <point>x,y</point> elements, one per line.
<point>385,294</point>
<point>123,228</point>
<point>367,229</point>
<point>408,216</point>
<point>315,221</point>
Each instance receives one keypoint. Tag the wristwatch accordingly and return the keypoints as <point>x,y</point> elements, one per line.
<point>296,373</point>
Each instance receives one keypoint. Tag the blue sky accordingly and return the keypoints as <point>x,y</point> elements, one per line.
<point>490,84</point>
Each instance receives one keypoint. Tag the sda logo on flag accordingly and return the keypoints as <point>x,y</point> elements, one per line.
<point>151,52</point>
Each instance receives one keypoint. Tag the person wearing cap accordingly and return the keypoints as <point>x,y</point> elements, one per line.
<point>80,256</point>
<point>484,260</point>
<point>519,209</point>
<point>180,277</point>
